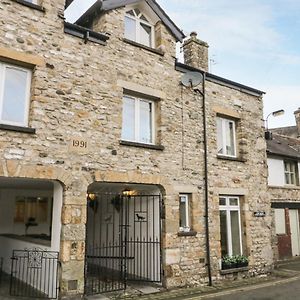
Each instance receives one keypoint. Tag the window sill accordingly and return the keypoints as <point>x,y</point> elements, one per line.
<point>188,233</point>
<point>285,187</point>
<point>235,270</point>
<point>17,128</point>
<point>141,145</point>
<point>291,186</point>
<point>224,157</point>
<point>133,43</point>
<point>31,5</point>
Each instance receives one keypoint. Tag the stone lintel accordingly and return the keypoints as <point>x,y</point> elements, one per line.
<point>226,112</point>
<point>232,191</point>
<point>141,89</point>
<point>188,189</point>
<point>21,57</point>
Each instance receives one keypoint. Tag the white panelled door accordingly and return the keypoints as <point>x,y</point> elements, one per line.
<point>295,231</point>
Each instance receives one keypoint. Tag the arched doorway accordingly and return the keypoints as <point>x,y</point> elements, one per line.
<point>30,225</point>
<point>123,239</point>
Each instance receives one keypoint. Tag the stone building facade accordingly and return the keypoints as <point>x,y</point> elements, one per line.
<point>283,165</point>
<point>106,113</point>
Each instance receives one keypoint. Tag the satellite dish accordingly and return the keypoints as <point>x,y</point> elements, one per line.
<point>191,79</point>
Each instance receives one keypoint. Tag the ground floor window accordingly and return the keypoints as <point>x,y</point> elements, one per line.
<point>230,225</point>
<point>184,213</point>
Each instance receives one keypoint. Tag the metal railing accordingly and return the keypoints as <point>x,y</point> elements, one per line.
<point>123,242</point>
<point>34,274</point>
<point>1,269</point>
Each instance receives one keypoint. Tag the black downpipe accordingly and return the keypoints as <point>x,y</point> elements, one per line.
<point>208,262</point>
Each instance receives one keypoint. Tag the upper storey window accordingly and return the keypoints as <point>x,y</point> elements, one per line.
<point>15,84</point>
<point>138,120</point>
<point>138,28</point>
<point>226,137</point>
<point>291,172</point>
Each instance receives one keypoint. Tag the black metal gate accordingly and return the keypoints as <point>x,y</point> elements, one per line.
<point>34,274</point>
<point>1,267</point>
<point>123,241</point>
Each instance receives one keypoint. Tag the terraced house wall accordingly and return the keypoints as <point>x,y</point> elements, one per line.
<point>77,94</point>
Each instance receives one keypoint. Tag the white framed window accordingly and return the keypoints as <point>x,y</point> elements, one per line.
<point>184,213</point>
<point>138,28</point>
<point>291,172</point>
<point>15,85</point>
<point>230,225</point>
<point>138,124</point>
<point>226,137</point>
<point>280,227</point>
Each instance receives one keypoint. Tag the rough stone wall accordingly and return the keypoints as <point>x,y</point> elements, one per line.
<point>195,52</point>
<point>78,92</point>
<point>245,177</point>
<point>279,194</point>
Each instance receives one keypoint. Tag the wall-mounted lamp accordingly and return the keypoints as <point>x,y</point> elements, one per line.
<point>128,192</point>
<point>91,197</point>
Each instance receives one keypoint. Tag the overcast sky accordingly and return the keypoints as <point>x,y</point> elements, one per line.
<point>253,42</point>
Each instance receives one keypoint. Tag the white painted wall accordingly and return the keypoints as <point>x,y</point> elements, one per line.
<point>56,217</point>
<point>276,172</point>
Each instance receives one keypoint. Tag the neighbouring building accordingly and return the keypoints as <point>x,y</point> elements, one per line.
<point>119,161</point>
<point>284,165</point>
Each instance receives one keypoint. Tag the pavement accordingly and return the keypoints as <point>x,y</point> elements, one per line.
<point>286,272</point>
<point>286,275</point>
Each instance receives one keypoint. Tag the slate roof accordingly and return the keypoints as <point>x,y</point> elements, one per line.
<point>284,146</point>
<point>219,80</point>
<point>287,131</point>
<point>105,5</point>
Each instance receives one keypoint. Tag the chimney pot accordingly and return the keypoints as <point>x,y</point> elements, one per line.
<point>297,117</point>
<point>195,52</point>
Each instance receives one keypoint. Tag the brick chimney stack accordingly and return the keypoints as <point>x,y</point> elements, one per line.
<point>195,52</point>
<point>297,116</point>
